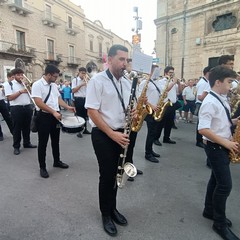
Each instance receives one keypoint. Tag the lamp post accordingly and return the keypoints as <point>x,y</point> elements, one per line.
<point>136,38</point>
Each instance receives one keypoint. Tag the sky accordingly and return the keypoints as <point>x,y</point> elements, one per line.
<point>117,15</point>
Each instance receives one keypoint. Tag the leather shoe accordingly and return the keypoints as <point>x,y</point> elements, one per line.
<point>131,179</point>
<point>200,144</point>
<point>225,233</point>
<point>209,216</point>
<point>86,131</point>
<point>44,173</point>
<point>139,172</point>
<point>118,218</point>
<point>29,146</point>
<point>16,151</point>
<point>155,154</point>
<point>151,158</point>
<point>157,142</point>
<point>109,226</point>
<point>169,141</point>
<point>60,164</point>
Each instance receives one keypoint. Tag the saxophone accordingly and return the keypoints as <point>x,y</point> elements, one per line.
<point>142,109</point>
<point>162,106</point>
<point>235,157</point>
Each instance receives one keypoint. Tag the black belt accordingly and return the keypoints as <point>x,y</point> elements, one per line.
<point>116,130</point>
<point>79,97</point>
<point>21,106</point>
<point>212,144</point>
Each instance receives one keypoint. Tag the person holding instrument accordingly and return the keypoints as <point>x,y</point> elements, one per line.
<point>107,99</point>
<point>48,99</point>
<point>21,110</point>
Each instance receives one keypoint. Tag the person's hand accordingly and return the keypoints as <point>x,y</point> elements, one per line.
<point>232,146</point>
<point>71,109</point>
<point>57,115</point>
<point>120,138</point>
<point>23,91</point>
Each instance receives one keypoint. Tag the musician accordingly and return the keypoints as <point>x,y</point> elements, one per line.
<point>48,99</point>
<point>21,111</point>
<point>173,89</point>
<point>214,125</point>
<point>107,98</point>
<point>153,94</point>
<point>79,86</point>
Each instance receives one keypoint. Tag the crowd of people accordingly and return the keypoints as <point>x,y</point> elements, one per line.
<point>104,100</point>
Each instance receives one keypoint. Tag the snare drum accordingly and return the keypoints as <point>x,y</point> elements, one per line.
<point>72,124</point>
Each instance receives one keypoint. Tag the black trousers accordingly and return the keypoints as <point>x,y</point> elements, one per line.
<point>167,123</point>
<point>21,117</point>
<point>132,138</point>
<point>220,183</point>
<point>6,116</point>
<point>107,152</point>
<point>80,109</point>
<point>47,125</point>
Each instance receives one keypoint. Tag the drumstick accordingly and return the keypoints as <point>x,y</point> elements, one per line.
<point>76,117</point>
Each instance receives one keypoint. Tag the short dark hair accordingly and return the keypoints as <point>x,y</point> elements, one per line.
<point>51,69</point>
<point>220,73</point>
<point>17,71</point>
<point>82,69</point>
<point>9,74</point>
<point>225,58</point>
<point>206,70</point>
<point>114,48</point>
<point>168,68</point>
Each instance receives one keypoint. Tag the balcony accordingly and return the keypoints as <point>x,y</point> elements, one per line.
<point>2,2</point>
<point>19,8</point>
<point>74,62</point>
<point>73,30</point>
<point>53,58</point>
<point>15,50</point>
<point>50,19</point>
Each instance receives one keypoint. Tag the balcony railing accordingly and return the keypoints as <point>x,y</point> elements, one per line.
<point>19,8</point>
<point>16,49</point>
<point>52,57</point>
<point>74,61</point>
<point>50,19</point>
<point>73,30</point>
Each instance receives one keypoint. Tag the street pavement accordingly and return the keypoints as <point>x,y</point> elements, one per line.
<point>165,203</point>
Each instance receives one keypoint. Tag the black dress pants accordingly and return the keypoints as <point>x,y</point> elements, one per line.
<point>6,116</point>
<point>132,138</point>
<point>80,109</point>
<point>107,152</point>
<point>47,125</point>
<point>21,117</point>
<point>220,183</point>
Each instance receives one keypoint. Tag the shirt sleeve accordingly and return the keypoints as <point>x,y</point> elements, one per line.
<point>206,114</point>
<point>74,83</point>
<point>36,90</point>
<point>7,89</point>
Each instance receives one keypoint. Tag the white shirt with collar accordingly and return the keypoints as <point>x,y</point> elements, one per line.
<point>212,115</point>
<point>189,92</point>
<point>202,86</point>
<point>40,89</point>
<point>2,96</point>
<point>172,94</point>
<point>102,96</point>
<point>152,93</point>
<point>22,99</point>
<point>82,91</point>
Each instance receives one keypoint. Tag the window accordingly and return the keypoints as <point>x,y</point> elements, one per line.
<point>48,12</point>
<point>20,40</point>
<point>100,49</point>
<point>70,25</point>
<point>18,3</point>
<point>50,49</point>
<point>71,54</point>
<point>224,22</point>
<point>91,45</point>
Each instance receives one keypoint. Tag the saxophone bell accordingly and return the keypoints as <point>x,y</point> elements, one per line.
<point>129,170</point>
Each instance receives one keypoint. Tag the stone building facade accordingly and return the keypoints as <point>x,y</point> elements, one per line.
<point>48,31</point>
<point>192,34</point>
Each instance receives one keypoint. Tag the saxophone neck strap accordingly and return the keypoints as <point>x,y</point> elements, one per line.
<point>155,86</point>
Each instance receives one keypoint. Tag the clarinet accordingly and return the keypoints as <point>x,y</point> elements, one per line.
<point>126,169</point>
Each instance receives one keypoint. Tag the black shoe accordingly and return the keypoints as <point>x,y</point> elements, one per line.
<point>155,154</point>
<point>118,218</point>
<point>60,164</point>
<point>151,158</point>
<point>16,151</point>
<point>174,127</point>
<point>86,132</point>
<point>131,179</point>
<point>44,173</point>
<point>139,172</point>
<point>169,141</point>
<point>200,144</point>
<point>29,146</point>
<point>157,142</point>
<point>79,135</point>
<point>225,233</point>
<point>1,138</point>
<point>210,216</point>
<point>109,226</point>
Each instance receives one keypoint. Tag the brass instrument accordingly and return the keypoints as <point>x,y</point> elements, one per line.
<point>126,169</point>
<point>235,157</point>
<point>235,100</point>
<point>162,106</point>
<point>142,109</point>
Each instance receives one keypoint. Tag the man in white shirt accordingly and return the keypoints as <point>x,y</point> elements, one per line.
<point>21,110</point>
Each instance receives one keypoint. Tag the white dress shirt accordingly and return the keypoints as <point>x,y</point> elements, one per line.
<point>202,86</point>
<point>172,94</point>
<point>82,91</point>
<point>102,96</point>
<point>22,99</point>
<point>189,93</point>
<point>40,89</point>
<point>212,115</point>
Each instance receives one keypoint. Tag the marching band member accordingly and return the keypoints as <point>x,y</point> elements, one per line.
<point>48,99</point>
<point>79,86</point>
<point>107,98</point>
<point>21,110</point>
